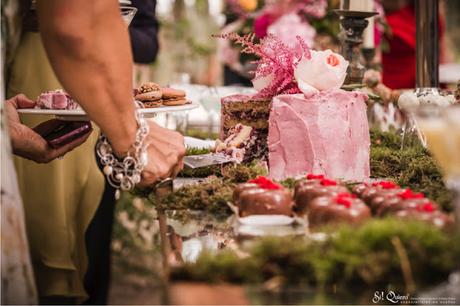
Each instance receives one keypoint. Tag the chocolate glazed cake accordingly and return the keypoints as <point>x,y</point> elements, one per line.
<point>262,197</point>
<point>260,201</point>
<point>306,190</point>
<point>248,111</point>
<point>342,208</point>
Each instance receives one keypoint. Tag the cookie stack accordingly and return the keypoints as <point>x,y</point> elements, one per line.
<point>153,95</point>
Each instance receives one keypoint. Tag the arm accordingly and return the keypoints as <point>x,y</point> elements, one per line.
<point>88,46</point>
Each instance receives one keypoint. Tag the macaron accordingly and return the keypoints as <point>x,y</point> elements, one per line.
<point>149,92</point>
<point>173,97</point>
<point>153,104</point>
<point>172,102</point>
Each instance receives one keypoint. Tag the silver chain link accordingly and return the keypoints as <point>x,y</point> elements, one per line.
<point>125,174</point>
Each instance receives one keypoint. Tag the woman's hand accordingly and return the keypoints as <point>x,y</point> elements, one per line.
<point>27,142</point>
<point>165,155</point>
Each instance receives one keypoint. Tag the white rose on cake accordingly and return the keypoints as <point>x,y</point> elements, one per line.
<point>324,70</point>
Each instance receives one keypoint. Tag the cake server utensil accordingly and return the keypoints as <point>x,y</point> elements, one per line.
<point>204,160</point>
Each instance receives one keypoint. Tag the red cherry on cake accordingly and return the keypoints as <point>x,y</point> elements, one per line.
<point>409,194</point>
<point>385,185</point>
<point>427,207</point>
<point>327,182</point>
<point>315,176</point>
<point>265,183</point>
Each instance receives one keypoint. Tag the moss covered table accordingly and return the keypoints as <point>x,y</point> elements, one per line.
<point>189,242</point>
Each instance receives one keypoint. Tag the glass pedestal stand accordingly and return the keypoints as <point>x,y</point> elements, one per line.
<point>441,131</point>
<point>454,186</point>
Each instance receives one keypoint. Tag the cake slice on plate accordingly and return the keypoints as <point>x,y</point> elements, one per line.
<point>249,111</point>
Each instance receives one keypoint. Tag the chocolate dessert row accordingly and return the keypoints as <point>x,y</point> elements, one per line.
<point>323,199</point>
<point>387,198</point>
<point>326,201</point>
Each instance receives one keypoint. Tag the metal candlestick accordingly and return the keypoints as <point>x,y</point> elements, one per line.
<point>368,54</point>
<point>427,50</point>
<point>427,57</point>
<point>353,23</point>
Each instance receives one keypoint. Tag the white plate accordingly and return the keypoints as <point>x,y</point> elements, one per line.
<point>263,220</point>
<point>80,115</point>
<point>266,220</point>
<point>277,230</point>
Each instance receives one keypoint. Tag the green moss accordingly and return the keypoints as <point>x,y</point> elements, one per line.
<point>369,255</point>
<point>389,140</point>
<point>234,173</point>
<point>241,173</point>
<point>353,257</point>
<point>210,196</point>
<point>197,151</point>
<point>288,183</point>
<point>201,172</point>
<point>201,134</point>
<point>213,194</point>
<point>224,266</point>
<point>412,167</point>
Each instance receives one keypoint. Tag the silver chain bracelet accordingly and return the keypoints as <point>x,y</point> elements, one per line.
<point>126,173</point>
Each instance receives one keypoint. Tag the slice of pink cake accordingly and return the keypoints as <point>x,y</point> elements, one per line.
<point>326,133</point>
<point>56,99</point>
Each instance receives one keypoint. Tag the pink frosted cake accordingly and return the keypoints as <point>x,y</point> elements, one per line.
<point>326,133</point>
<point>324,130</point>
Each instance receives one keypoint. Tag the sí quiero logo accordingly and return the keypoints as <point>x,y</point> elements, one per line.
<point>390,296</point>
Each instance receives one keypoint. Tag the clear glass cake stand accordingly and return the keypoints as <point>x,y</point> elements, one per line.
<point>440,128</point>
<point>128,12</point>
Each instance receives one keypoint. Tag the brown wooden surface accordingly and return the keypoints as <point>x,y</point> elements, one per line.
<point>187,293</point>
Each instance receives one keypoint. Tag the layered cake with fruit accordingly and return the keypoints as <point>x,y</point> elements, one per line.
<point>262,196</point>
<point>250,112</point>
<point>340,208</point>
<point>240,143</point>
<point>311,187</point>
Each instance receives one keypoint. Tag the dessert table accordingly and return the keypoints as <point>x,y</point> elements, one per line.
<point>183,236</point>
<point>180,237</point>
